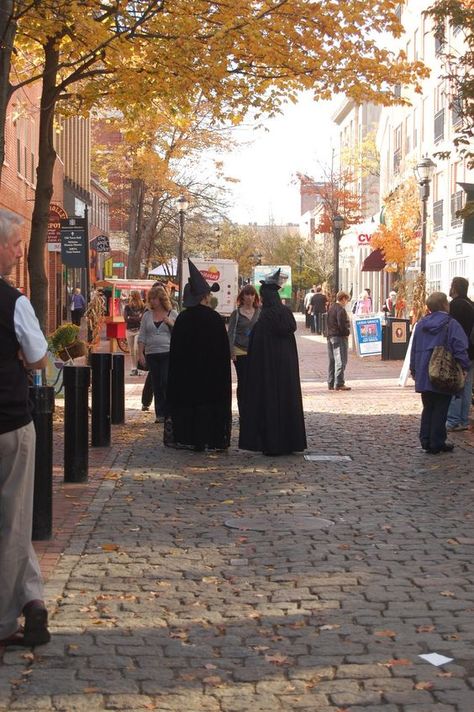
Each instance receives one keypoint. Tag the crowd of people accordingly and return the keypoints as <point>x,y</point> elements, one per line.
<point>188,356</point>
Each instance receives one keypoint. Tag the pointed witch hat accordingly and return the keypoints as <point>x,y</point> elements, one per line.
<point>196,287</point>
<point>272,280</point>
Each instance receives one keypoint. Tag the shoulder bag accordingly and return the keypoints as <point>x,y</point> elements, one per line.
<point>444,372</point>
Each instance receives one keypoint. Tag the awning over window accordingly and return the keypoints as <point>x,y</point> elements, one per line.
<point>374,262</point>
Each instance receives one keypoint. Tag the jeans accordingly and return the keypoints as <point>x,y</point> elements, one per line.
<point>318,322</point>
<point>158,365</point>
<point>337,352</point>
<point>459,407</point>
<point>433,419</point>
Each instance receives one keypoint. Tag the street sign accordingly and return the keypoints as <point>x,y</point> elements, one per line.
<point>101,243</point>
<point>73,242</point>
<point>118,264</point>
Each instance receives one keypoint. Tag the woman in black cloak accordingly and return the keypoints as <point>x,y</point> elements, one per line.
<point>272,419</point>
<point>199,395</point>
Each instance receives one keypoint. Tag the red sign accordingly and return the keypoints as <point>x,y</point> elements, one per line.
<point>212,274</point>
<point>56,214</point>
<point>363,239</point>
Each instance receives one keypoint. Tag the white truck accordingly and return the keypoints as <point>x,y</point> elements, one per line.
<point>225,273</point>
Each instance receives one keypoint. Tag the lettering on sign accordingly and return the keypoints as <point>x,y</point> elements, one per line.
<point>56,214</point>
<point>363,238</point>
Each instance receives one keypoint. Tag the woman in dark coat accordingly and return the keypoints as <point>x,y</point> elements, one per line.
<point>199,394</point>
<point>272,419</point>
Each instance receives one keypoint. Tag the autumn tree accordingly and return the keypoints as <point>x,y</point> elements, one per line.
<point>458,69</point>
<point>238,55</point>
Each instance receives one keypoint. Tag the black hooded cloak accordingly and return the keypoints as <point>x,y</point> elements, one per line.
<point>272,419</point>
<point>199,396</point>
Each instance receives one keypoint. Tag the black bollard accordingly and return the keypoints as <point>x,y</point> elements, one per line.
<point>42,400</point>
<point>76,381</point>
<point>118,389</point>
<point>101,365</point>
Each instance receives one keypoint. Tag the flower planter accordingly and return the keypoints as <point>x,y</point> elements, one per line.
<point>74,350</point>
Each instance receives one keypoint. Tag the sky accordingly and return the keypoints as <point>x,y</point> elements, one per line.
<point>266,161</point>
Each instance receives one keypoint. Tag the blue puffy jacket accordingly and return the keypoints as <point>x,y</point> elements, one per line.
<point>430,332</point>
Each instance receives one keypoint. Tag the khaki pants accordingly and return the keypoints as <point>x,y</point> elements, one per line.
<point>20,572</point>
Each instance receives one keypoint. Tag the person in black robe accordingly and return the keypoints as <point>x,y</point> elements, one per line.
<point>199,395</point>
<point>272,419</point>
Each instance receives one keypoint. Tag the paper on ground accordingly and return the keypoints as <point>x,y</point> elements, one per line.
<point>436,659</point>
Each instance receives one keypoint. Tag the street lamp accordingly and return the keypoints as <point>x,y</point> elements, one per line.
<point>424,173</point>
<point>182,205</point>
<point>337,226</point>
<point>300,272</point>
<point>218,232</point>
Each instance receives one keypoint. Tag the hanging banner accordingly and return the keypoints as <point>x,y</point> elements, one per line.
<point>53,238</point>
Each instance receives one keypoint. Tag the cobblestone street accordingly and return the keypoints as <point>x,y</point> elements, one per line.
<point>163,597</point>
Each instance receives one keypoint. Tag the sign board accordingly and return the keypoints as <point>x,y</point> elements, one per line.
<point>73,242</point>
<point>262,271</point>
<point>108,267</point>
<point>368,335</point>
<point>101,243</point>
<point>118,264</point>
<point>53,238</point>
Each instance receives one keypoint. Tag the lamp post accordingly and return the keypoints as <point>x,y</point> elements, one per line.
<point>182,204</point>
<point>337,226</point>
<point>300,272</point>
<point>218,232</point>
<point>424,173</point>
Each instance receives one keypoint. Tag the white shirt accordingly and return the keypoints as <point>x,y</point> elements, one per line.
<point>28,331</point>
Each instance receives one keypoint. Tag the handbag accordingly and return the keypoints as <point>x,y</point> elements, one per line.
<point>444,372</point>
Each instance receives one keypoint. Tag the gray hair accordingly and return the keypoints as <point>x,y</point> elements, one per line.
<point>7,222</point>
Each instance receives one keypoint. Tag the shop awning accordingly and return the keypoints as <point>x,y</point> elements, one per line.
<point>374,262</point>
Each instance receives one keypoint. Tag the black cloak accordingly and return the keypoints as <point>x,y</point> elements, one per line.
<point>199,395</point>
<point>272,419</point>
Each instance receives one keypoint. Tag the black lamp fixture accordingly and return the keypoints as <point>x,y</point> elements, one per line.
<point>337,228</point>
<point>182,205</point>
<point>424,174</point>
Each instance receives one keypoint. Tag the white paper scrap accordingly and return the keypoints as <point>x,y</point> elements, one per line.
<point>326,458</point>
<point>436,659</point>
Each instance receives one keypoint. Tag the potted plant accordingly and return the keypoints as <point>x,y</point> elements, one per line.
<point>64,342</point>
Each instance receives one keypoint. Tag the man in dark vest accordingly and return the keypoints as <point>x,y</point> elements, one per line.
<point>22,347</point>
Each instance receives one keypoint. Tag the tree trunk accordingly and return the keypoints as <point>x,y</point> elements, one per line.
<point>7,37</point>
<point>136,237</point>
<point>44,188</point>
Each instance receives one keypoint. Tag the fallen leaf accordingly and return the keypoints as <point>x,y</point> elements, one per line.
<point>210,666</point>
<point>425,629</point>
<point>213,680</point>
<point>448,594</point>
<point>110,547</point>
<point>385,633</point>
<point>329,626</point>
<point>444,674</point>
<point>424,686</point>
<point>260,648</point>
<point>89,690</point>
<point>228,501</point>
<point>394,662</point>
<point>277,659</point>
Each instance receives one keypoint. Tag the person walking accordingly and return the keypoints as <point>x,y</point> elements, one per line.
<point>241,323</point>
<point>307,307</point>
<point>22,347</point>
<point>132,313</point>
<point>78,307</point>
<point>319,305</point>
<point>338,342</point>
<point>199,393</point>
<point>154,338</point>
<point>272,419</point>
<point>461,308</point>
<point>435,329</point>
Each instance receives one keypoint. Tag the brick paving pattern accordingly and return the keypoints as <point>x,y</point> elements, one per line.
<point>156,604</point>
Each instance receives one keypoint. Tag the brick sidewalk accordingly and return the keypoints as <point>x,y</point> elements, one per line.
<point>157,604</point>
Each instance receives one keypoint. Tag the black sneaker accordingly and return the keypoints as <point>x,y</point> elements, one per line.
<point>36,624</point>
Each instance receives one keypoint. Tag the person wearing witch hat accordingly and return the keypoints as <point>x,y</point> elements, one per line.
<point>199,395</point>
<point>272,419</point>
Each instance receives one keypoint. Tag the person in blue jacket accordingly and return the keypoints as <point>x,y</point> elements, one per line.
<point>435,329</point>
